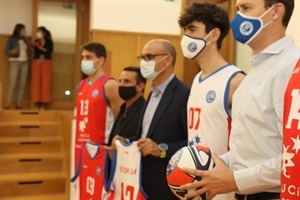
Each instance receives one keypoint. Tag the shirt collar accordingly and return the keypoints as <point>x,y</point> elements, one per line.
<point>163,86</point>
<point>273,49</point>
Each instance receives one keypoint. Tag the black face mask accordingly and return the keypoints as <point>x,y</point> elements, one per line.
<point>127,92</point>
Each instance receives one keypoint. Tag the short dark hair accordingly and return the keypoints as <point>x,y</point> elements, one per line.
<point>17,30</point>
<point>139,77</point>
<point>96,47</point>
<point>211,15</point>
<point>289,8</point>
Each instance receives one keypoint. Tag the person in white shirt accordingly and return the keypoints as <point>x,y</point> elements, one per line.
<point>18,50</point>
<point>252,167</point>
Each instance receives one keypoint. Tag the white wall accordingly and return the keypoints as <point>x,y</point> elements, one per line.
<point>148,16</point>
<point>243,52</point>
<point>13,12</point>
<point>153,16</point>
<point>61,22</point>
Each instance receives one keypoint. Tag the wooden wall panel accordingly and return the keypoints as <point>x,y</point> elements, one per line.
<point>125,47</point>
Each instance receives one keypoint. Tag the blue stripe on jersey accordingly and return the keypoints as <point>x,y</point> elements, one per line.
<point>226,93</point>
<point>200,79</point>
<point>78,168</point>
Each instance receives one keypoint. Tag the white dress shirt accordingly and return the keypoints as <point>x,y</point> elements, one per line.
<point>257,116</point>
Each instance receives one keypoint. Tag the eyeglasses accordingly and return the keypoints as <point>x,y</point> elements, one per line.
<point>148,57</point>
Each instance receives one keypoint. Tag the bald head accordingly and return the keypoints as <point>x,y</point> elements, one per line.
<point>162,46</point>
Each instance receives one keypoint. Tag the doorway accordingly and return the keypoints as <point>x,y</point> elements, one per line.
<point>66,20</point>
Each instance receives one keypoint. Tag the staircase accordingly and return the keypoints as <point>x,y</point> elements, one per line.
<point>34,155</point>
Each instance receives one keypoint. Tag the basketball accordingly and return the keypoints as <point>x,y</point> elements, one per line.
<point>197,157</point>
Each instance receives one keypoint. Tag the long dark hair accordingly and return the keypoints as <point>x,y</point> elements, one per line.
<point>17,30</point>
<point>47,34</point>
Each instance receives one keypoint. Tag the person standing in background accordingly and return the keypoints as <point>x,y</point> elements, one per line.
<point>131,90</point>
<point>17,48</point>
<point>41,71</point>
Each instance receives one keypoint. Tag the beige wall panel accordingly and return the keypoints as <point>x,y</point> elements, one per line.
<point>122,48</point>
<point>125,47</point>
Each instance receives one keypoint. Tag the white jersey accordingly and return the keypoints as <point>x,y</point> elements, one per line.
<point>209,121</point>
<point>125,180</point>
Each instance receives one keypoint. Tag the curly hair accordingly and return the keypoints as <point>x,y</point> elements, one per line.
<point>210,15</point>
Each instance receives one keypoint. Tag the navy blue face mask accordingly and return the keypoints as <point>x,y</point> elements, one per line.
<point>246,28</point>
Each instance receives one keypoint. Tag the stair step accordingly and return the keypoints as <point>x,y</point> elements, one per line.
<point>31,176</point>
<point>27,123</point>
<point>28,163</point>
<point>14,185</point>
<point>39,197</point>
<point>30,145</point>
<point>31,155</point>
<point>27,115</point>
<point>29,130</point>
<point>28,139</point>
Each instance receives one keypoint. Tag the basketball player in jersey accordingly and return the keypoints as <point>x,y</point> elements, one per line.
<point>209,102</point>
<point>125,179</point>
<point>211,93</point>
<point>98,100</point>
<point>90,177</point>
<point>290,181</point>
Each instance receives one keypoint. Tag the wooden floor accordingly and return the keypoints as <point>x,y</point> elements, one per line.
<point>34,154</point>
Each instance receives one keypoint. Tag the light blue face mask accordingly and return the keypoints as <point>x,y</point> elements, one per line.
<point>148,69</point>
<point>246,28</point>
<point>87,67</point>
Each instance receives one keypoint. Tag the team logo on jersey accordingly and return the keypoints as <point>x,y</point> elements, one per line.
<point>211,96</point>
<point>95,93</point>
<point>98,171</point>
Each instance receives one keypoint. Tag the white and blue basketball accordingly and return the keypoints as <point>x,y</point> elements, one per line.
<point>197,157</point>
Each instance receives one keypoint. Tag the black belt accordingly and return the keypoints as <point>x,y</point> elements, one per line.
<point>257,196</point>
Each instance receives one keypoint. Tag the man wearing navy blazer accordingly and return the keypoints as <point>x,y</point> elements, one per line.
<point>163,127</point>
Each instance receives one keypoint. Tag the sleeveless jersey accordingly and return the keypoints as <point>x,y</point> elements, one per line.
<point>90,176</point>
<point>94,117</point>
<point>290,180</point>
<point>125,179</point>
<point>209,121</point>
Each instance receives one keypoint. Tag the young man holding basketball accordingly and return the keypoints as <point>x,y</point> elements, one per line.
<point>210,100</point>
<point>252,167</point>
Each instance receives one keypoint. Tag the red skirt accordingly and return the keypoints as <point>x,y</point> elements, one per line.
<point>41,77</point>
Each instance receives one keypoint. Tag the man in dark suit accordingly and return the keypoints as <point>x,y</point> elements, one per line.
<point>163,125</point>
<point>131,90</point>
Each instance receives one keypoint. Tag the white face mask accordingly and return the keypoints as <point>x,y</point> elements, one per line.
<point>192,47</point>
<point>148,69</point>
<point>87,67</point>
<point>39,35</point>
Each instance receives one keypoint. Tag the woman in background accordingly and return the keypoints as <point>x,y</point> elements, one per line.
<point>17,48</point>
<point>42,69</point>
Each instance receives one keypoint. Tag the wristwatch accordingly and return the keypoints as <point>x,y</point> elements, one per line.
<point>163,147</point>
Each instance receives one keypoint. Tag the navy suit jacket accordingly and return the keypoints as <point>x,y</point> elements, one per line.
<point>169,125</point>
